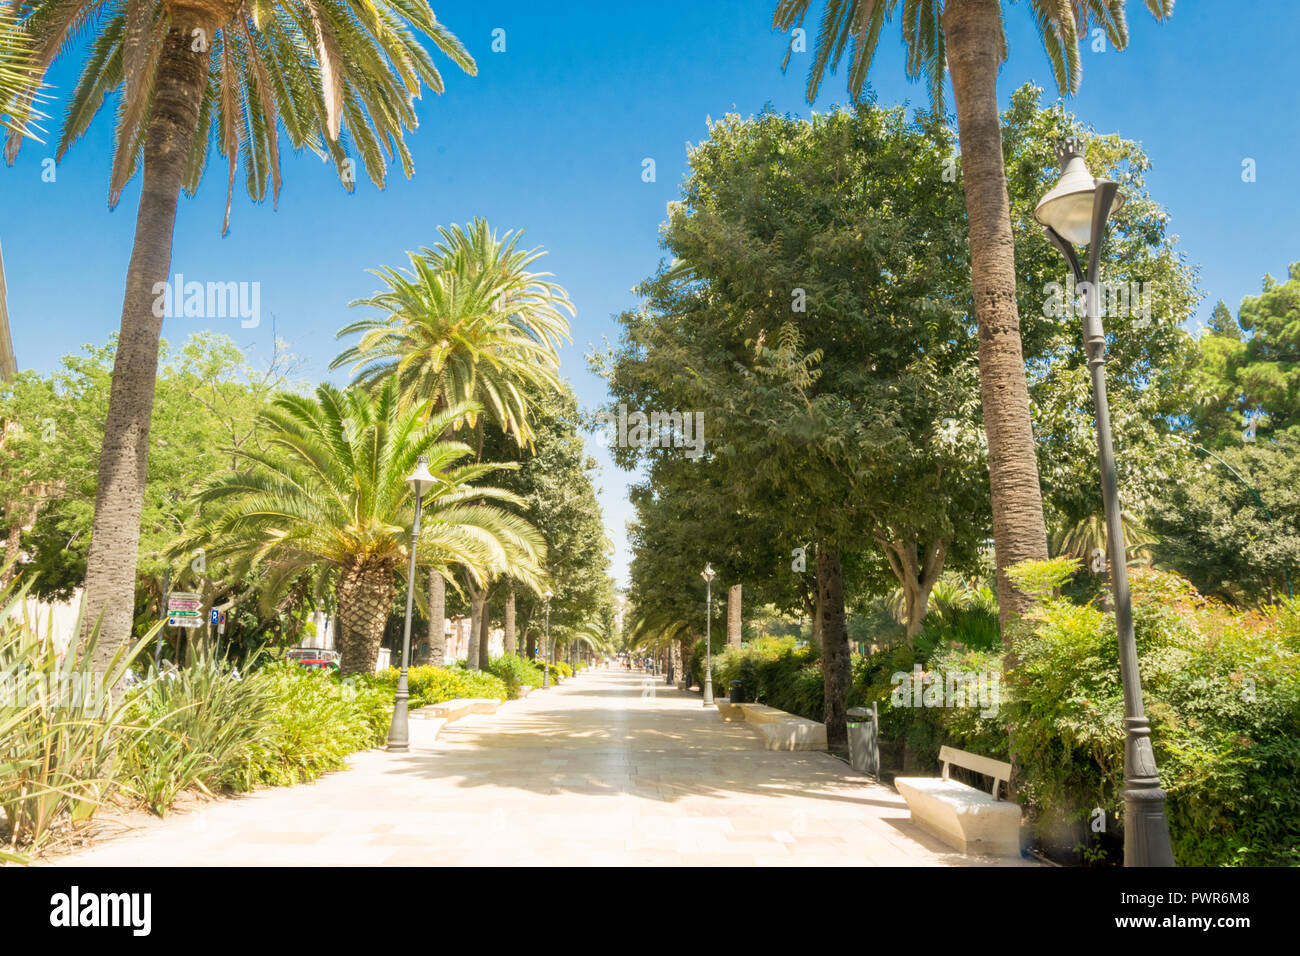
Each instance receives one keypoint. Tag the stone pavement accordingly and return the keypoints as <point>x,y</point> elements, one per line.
<point>610,768</point>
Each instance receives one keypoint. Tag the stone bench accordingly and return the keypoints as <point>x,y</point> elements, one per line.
<point>781,730</point>
<point>728,710</point>
<point>450,710</point>
<point>967,819</point>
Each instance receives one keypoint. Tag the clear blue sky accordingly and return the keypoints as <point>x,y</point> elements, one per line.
<point>550,137</point>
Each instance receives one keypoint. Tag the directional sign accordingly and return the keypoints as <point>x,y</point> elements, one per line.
<point>184,601</point>
<point>176,613</point>
<point>184,622</point>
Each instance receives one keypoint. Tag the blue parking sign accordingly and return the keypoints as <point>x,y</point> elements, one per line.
<point>213,617</point>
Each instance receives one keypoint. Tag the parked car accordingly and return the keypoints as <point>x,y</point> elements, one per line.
<point>313,658</point>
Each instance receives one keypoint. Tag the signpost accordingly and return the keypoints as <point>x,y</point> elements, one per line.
<point>184,610</point>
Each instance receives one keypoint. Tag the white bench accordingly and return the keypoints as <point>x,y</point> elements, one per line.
<point>781,730</point>
<point>444,713</point>
<point>967,819</point>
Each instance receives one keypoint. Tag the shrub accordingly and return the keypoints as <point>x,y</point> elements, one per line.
<point>433,685</point>
<point>1222,691</point>
<point>58,728</point>
<point>516,672</point>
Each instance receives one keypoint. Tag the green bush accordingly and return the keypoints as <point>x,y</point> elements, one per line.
<point>773,671</point>
<point>279,725</point>
<point>516,672</point>
<point>1222,691</point>
<point>317,719</point>
<point>433,685</point>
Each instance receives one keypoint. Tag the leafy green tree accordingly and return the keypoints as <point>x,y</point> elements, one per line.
<point>556,481</point>
<point>822,233</point>
<point>329,494</point>
<point>966,39</point>
<point>208,399</point>
<point>191,74</point>
<point>1230,523</point>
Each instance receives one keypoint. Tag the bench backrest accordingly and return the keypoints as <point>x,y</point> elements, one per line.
<point>997,769</point>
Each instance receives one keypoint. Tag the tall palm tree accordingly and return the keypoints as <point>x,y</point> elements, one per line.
<point>338,75</point>
<point>469,322</point>
<point>967,37</point>
<point>329,491</point>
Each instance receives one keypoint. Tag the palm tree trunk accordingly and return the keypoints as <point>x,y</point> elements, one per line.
<point>485,638</point>
<point>530,642</point>
<point>510,621</point>
<point>123,457</point>
<point>835,647</point>
<point>973,29</point>
<point>437,618</point>
<point>476,613</point>
<point>366,593</point>
<point>733,615</point>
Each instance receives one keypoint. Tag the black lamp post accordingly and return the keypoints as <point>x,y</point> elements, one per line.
<point>399,739</point>
<point>546,643</point>
<point>708,574</point>
<point>1075,212</point>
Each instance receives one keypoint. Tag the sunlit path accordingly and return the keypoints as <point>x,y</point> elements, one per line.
<point>610,768</point>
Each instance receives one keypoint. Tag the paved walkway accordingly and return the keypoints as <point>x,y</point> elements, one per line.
<point>611,768</point>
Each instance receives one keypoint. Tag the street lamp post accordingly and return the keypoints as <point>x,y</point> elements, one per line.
<point>399,739</point>
<point>546,643</point>
<point>1075,212</point>
<point>707,574</point>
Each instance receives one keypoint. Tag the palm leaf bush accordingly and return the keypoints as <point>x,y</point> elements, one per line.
<point>328,496</point>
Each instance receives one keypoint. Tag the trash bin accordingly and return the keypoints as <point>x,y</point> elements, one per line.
<point>864,739</point>
<point>736,694</point>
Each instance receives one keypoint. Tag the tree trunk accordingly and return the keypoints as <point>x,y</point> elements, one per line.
<point>815,639</point>
<point>124,455</point>
<point>973,32</point>
<point>366,593</point>
<point>917,578</point>
<point>437,619</point>
<point>530,642</point>
<point>835,647</point>
<point>733,616</point>
<point>510,621</point>
<point>476,613</point>
<point>485,638</point>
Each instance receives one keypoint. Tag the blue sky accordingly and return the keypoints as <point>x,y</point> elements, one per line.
<point>551,135</point>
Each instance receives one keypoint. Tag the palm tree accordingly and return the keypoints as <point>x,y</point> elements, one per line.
<point>1086,540</point>
<point>468,323</point>
<point>967,37</point>
<point>329,491</point>
<point>191,72</point>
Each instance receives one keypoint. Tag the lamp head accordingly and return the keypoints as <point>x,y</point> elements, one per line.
<point>1067,207</point>
<point>421,480</point>
<point>547,595</point>
<point>708,573</point>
